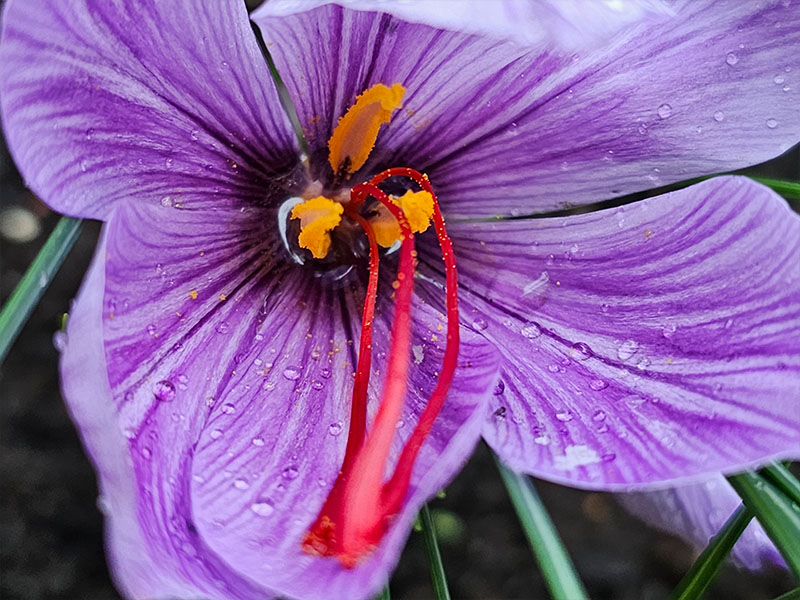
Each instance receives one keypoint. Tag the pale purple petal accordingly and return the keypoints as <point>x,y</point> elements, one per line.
<point>154,101</point>
<point>231,372</point>
<point>570,24</point>
<point>650,343</point>
<point>503,129</point>
<point>697,512</point>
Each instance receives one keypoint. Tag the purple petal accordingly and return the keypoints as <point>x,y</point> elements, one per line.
<point>568,23</point>
<point>232,406</point>
<point>502,129</point>
<point>158,101</point>
<point>651,343</point>
<point>697,512</point>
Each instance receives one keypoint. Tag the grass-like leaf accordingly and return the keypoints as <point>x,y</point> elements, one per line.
<point>705,568</point>
<point>790,595</point>
<point>434,557</point>
<point>787,189</point>
<point>557,568</point>
<point>35,281</point>
<point>779,516</point>
<point>783,479</point>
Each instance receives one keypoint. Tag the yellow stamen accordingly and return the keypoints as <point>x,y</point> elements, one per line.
<point>356,132</point>
<point>318,216</point>
<point>418,209</point>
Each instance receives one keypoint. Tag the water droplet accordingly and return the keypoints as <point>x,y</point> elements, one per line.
<point>599,415</point>
<point>222,327</point>
<point>263,508</point>
<point>499,388</point>
<point>146,453</point>
<point>500,413</point>
<point>228,408</point>
<point>419,354</point>
<point>290,472</point>
<point>731,59</point>
<point>292,373</point>
<point>564,416</point>
<point>60,340</point>
<point>779,79</point>
<point>215,434</point>
<point>164,390</point>
<point>335,428</point>
<point>257,441</point>
<point>772,123</point>
<point>542,440</point>
<point>598,384</point>
<point>580,351</point>
<point>240,484</point>
<point>669,330</point>
<point>531,331</point>
<point>479,324</point>
<point>553,368</point>
<point>643,363</point>
<point>634,401</point>
<point>664,111</point>
<point>608,457</point>
<point>728,323</point>
<point>719,116</point>
<point>317,385</point>
<point>642,129</point>
<point>151,329</point>
<point>167,201</point>
<point>326,373</point>
<point>627,349</point>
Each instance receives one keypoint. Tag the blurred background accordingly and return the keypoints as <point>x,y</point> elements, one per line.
<point>51,531</point>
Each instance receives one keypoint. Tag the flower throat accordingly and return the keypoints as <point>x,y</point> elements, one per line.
<point>361,504</point>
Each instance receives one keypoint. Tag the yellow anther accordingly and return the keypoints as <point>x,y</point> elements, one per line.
<point>418,209</point>
<point>318,216</point>
<point>356,132</point>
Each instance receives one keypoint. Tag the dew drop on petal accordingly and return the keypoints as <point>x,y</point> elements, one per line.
<point>479,324</point>
<point>60,340</point>
<point>598,384</point>
<point>317,385</point>
<point>499,388</point>
<point>627,349</point>
<point>542,440</point>
<point>779,79</point>
<point>326,373</point>
<point>146,453</point>
<point>719,116</point>
<point>167,201</point>
<point>564,416</point>
<point>264,508</point>
<point>215,434</point>
<point>290,472</point>
<point>580,351</point>
<point>599,415</point>
<point>222,327</point>
<point>240,484</point>
<point>731,59</point>
<point>335,428</point>
<point>664,111</point>
<point>228,408</point>
<point>292,373</point>
<point>257,441</point>
<point>531,331</point>
<point>669,330</point>
<point>772,123</point>
<point>164,390</point>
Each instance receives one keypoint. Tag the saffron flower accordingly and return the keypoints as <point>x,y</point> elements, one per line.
<point>265,400</point>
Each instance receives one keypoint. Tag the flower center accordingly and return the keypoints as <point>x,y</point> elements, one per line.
<point>361,504</point>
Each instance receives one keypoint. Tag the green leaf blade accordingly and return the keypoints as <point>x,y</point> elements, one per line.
<point>560,577</point>
<point>434,556</point>
<point>37,278</point>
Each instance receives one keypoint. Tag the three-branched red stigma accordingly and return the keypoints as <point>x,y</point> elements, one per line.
<point>362,503</point>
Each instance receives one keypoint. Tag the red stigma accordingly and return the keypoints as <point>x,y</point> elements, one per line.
<point>361,505</point>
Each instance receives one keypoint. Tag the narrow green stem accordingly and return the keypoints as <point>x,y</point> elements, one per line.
<point>787,189</point>
<point>557,568</point>
<point>283,93</point>
<point>705,568</point>
<point>434,556</point>
<point>783,479</point>
<point>776,513</point>
<point>35,281</point>
<point>790,595</point>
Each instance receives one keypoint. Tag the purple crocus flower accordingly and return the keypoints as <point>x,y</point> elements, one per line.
<point>210,356</point>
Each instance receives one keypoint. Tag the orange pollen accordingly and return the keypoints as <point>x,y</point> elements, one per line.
<point>361,504</point>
